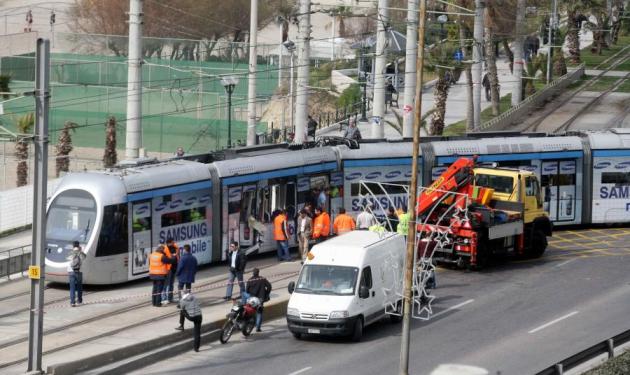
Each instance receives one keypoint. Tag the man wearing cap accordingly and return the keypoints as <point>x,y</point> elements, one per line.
<point>191,310</point>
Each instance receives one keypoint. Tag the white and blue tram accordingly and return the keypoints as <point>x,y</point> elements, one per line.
<point>120,215</point>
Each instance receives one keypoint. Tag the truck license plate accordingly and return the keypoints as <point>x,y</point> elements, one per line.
<point>313,330</point>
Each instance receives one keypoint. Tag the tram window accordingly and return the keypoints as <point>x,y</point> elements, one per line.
<point>290,201</point>
<point>394,187</point>
<point>566,179</point>
<point>617,178</point>
<point>183,216</point>
<point>112,239</point>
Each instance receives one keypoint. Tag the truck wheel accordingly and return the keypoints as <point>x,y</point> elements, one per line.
<point>539,244</point>
<point>358,330</point>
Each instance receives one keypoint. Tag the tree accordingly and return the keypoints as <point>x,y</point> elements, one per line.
<point>64,146</point>
<point>110,156</point>
<point>448,70</point>
<point>24,128</point>
<point>575,16</point>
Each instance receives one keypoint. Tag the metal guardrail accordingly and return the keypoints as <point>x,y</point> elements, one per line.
<point>14,261</point>
<point>540,95</point>
<point>605,347</point>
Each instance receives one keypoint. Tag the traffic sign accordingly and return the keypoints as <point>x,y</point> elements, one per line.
<point>458,55</point>
<point>33,272</point>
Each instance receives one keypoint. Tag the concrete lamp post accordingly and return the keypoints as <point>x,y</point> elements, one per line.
<point>291,47</point>
<point>229,83</point>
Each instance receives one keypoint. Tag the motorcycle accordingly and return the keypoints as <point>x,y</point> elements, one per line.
<point>242,317</point>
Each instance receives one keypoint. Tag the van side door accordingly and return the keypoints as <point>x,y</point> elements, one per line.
<point>372,309</point>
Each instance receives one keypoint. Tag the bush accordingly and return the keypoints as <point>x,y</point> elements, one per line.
<point>619,365</point>
<point>349,96</point>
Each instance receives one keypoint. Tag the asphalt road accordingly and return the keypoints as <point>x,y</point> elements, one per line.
<point>515,317</point>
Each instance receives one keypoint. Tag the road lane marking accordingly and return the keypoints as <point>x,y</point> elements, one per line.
<point>300,371</point>
<point>452,308</point>
<point>553,322</point>
<point>565,262</point>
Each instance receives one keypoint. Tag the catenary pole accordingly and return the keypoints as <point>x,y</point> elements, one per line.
<point>301,105</point>
<point>477,61</point>
<point>411,57</point>
<point>552,23</point>
<point>134,81</point>
<point>517,89</point>
<point>251,77</point>
<point>36,321</point>
<point>378,109</point>
<point>413,189</point>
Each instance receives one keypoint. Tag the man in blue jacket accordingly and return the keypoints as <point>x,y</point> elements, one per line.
<point>186,270</point>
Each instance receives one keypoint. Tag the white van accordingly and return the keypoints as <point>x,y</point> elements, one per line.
<point>347,284</point>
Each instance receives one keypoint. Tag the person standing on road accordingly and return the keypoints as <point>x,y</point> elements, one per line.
<point>158,270</point>
<point>191,310</point>
<point>352,131</point>
<point>321,225</point>
<point>403,220</point>
<point>366,219</point>
<point>281,235</point>
<point>391,222</point>
<point>258,286</point>
<point>75,276</point>
<point>343,223</point>
<point>304,233</point>
<point>186,270</point>
<point>237,261</point>
<point>172,251</point>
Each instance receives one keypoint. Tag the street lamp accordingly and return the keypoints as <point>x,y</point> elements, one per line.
<point>228,83</point>
<point>442,19</point>
<point>290,46</point>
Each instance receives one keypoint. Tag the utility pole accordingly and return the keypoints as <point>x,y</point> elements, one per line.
<point>36,269</point>
<point>517,89</point>
<point>413,190</point>
<point>304,51</point>
<point>378,108</point>
<point>134,81</point>
<point>332,39</point>
<point>251,78</point>
<point>477,61</point>
<point>552,25</point>
<point>410,67</point>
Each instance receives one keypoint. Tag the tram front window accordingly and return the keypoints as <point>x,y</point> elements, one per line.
<point>70,218</point>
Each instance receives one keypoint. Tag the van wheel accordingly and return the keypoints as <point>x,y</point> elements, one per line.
<point>297,335</point>
<point>539,244</point>
<point>357,334</point>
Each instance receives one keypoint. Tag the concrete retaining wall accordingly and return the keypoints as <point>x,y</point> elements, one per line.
<point>533,102</point>
<point>16,206</point>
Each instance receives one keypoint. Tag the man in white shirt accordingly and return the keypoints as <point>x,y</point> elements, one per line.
<point>365,219</point>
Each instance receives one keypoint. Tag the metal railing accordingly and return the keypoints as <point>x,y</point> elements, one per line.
<point>534,99</point>
<point>14,261</point>
<point>604,347</point>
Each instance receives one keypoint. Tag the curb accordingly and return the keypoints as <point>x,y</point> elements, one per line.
<point>141,354</point>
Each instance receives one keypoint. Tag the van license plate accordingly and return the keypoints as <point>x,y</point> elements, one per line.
<point>313,330</point>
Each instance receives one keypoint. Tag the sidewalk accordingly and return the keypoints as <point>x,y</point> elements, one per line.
<point>130,330</point>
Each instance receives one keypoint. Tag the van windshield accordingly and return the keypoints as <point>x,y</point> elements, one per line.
<point>324,279</point>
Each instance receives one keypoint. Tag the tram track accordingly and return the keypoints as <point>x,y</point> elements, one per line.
<point>154,318</point>
<point>622,56</point>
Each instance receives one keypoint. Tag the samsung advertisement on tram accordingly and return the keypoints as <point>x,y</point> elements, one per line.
<point>611,189</point>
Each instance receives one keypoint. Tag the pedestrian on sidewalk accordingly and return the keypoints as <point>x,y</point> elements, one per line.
<point>237,261</point>
<point>352,131</point>
<point>258,286</point>
<point>281,235</point>
<point>366,219</point>
<point>158,270</point>
<point>191,310</point>
<point>343,223</point>
<point>311,127</point>
<point>304,233</point>
<point>172,251</point>
<point>75,276</point>
<point>29,21</point>
<point>186,270</point>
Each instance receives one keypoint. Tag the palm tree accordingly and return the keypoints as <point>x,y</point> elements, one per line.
<point>110,157</point>
<point>447,70</point>
<point>24,127</point>
<point>63,148</point>
<point>574,9</point>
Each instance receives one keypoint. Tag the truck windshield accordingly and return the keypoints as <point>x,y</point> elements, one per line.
<point>500,184</point>
<point>325,279</point>
<point>70,218</point>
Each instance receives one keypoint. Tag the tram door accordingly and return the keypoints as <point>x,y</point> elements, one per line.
<point>140,237</point>
<point>248,207</point>
<point>558,181</point>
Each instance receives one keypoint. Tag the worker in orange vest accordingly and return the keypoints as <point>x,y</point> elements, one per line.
<point>343,223</point>
<point>321,225</point>
<point>172,251</point>
<point>281,235</point>
<point>158,270</point>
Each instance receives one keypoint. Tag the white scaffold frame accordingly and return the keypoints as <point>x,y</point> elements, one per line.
<point>453,210</point>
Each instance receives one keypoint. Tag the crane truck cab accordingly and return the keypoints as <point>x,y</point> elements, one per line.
<point>346,283</point>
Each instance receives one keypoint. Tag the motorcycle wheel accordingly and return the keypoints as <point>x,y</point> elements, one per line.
<point>226,331</point>
<point>248,327</point>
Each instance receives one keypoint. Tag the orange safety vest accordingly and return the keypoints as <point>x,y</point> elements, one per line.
<point>167,252</point>
<point>343,223</point>
<point>321,225</point>
<point>278,228</point>
<point>156,266</point>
